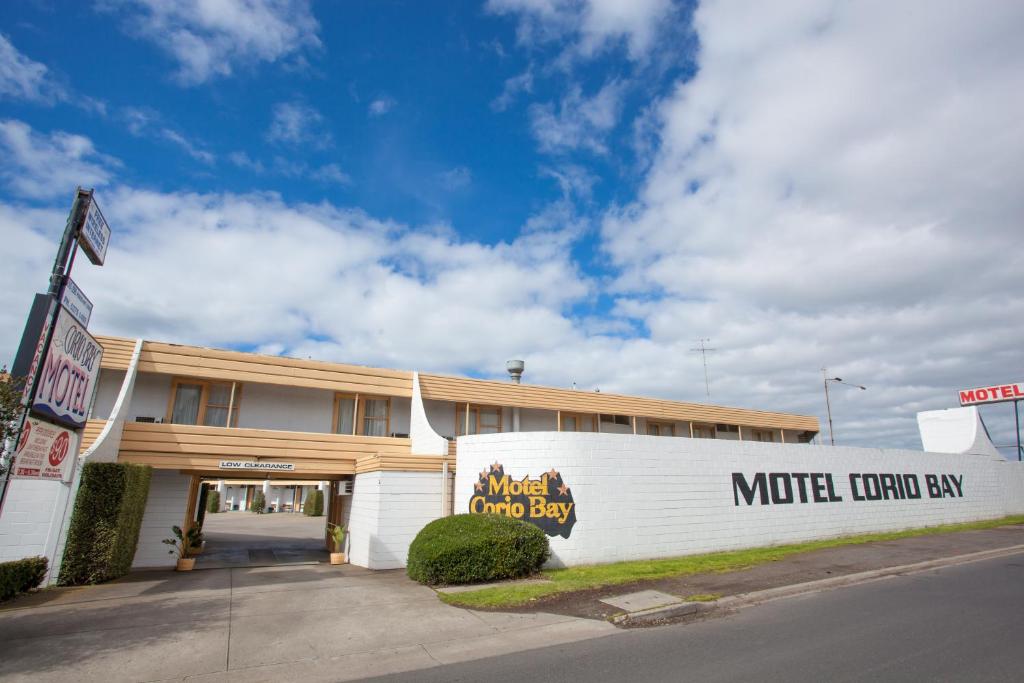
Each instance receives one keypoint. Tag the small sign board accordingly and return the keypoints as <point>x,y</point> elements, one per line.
<point>77,303</point>
<point>94,235</point>
<point>994,394</point>
<point>254,465</point>
<point>67,383</point>
<point>45,451</point>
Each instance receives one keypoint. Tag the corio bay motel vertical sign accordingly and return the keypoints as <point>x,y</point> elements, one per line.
<point>58,357</point>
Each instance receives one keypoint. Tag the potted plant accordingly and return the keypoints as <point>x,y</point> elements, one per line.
<point>337,534</point>
<point>183,545</point>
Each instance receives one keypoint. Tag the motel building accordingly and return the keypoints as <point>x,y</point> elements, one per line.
<point>623,477</point>
<point>381,444</point>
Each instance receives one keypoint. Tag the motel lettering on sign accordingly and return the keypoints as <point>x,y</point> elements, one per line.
<point>786,488</point>
<point>993,394</point>
<point>67,383</point>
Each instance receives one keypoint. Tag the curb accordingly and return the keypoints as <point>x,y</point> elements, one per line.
<point>742,600</point>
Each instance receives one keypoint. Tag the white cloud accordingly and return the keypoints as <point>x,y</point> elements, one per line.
<point>40,166</point>
<point>24,79</point>
<point>145,122</point>
<point>327,174</point>
<point>514,86</point>
<point>593,24</point>
<point>827,192</point>
<point>371,291</point>
<point>295,123</point>
<point>578,122</point>
<point>381,105</point>
<point>330,174</point>
<point>574,180</point>
<point>456,178</point>
<point>211,39</point>
<point>188,146</point>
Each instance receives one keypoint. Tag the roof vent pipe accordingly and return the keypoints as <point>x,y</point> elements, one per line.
<point>515,370</point>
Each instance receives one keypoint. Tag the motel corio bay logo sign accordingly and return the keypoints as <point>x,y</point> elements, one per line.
<point>545,502</point>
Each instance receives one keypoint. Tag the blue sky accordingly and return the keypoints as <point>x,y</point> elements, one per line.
<point>588,184</point>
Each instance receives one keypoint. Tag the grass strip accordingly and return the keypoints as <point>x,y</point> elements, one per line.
<point>600,575</point>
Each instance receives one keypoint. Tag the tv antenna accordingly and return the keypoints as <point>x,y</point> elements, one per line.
<point>704,350</point>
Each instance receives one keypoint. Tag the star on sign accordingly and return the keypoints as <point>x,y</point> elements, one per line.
<point>496,466</point>
<point>563,490</point>
<point>483,474</point>
<point>479,486</point>
<point>553,473</point>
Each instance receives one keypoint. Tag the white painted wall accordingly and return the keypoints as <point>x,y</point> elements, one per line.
<point>388,510</point>
<point>107,389</point>
<point>295,409</point>
<point>31,518</point>
<point>150,397</point>
<point>642,496</point>
<point>441,415</point>
<point>165,507</point>
<point>532,420</point>
<point>425,441</point>
<point>956,430</point>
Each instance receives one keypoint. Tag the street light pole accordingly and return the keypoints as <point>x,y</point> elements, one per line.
<point>828,407</point>
<point>828,403</point>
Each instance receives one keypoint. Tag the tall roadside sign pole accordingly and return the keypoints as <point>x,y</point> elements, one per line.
<point>58,359</point>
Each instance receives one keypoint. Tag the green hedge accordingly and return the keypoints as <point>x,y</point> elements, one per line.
<point>474,548</point>
<point>213,501</point>
<point>104,529</point>
<point>259,503</point>
<point>19,576</point>
<point>314,505</point>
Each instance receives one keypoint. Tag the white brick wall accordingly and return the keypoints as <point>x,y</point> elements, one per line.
<point>641,497</point>
<point>388,510</point>
<point>165,507</point>
<point>31,518</point>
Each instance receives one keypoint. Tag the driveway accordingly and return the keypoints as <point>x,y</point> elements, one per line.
<point>245,539</point>
<point>303,622</point>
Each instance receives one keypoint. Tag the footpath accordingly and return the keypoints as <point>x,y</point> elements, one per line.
<point>323,623</point>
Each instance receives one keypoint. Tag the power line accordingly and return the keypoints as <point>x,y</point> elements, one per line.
<point>704,350</point>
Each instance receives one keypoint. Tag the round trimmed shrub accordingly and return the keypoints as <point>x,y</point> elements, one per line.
<point>259,503</point>
<point>474,548</point>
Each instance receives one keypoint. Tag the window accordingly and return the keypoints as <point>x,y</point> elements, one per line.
<point>482,419</point>
<point>660,428</point>
<point>199,402</point>
<point>572,422</point>
<point>703,431</point>
<point>362,415</point>
<point>762,435</point>
<point>617,419</point>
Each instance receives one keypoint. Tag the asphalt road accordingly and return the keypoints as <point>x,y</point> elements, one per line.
<point>962,623</point>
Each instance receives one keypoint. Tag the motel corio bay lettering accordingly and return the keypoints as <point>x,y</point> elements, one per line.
<point>545,502</point>
<point>785,488</point>
<point>72,365</point>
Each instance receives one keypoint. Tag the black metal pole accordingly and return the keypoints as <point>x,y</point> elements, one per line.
<point>1016,415</point>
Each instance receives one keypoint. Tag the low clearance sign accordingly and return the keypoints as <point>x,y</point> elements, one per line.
<point>68,381</point>
<point>993,394</point>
